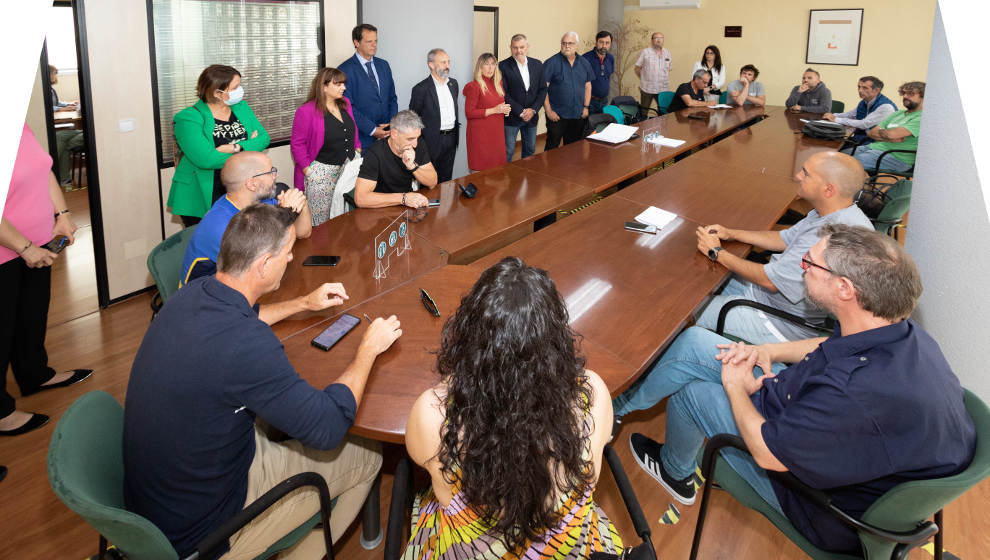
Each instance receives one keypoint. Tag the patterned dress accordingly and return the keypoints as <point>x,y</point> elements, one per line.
<point>456,532</point>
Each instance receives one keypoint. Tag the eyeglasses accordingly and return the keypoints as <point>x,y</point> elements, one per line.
<point>428,303</point>
<point>806,263</point>
<point>274,171</point>
<point>568,43</point>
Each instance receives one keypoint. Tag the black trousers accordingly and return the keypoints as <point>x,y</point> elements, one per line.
<point>570,130</point>
<point>24,296</point>
<point>443,160</point>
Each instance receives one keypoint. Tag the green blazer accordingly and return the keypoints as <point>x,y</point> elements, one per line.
<point>192,185</point>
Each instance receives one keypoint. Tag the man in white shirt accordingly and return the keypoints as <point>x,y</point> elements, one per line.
<point>871,111</point>
<point>525,90</point>
<point>435,101</point>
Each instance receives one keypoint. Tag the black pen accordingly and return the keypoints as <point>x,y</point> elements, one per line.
<point>368,318</point>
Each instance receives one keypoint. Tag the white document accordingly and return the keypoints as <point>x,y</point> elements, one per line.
<point>816,120</point>
<point>720,106</point>
<point>654,216</point>
<point>614,133</point>
<point>668,142</point>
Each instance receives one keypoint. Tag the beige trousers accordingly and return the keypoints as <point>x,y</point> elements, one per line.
<point>349,470</point>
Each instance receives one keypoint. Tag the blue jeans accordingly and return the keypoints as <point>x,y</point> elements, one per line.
<point>528,140</point>
<point>691,357</point>
<point>868,157</point>
<point>698,408</point>
<point>746,323</point>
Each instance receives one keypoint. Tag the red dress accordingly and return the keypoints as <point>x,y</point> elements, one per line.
<point>485,135</point>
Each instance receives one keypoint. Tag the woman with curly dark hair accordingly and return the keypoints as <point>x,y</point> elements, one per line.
<point>513,435</point>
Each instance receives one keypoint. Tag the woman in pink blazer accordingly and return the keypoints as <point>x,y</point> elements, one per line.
<point>324,139</point>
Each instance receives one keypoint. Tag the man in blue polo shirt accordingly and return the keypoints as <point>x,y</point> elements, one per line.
<point>207,368</point>
<point>602,65</point>
<point>568,79</point>
<point>868,408</point>
<point>248,177</point>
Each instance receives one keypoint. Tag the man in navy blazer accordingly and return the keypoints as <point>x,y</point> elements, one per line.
<point>435,101</point>
<point>525,90</point>
<point>369,86</point>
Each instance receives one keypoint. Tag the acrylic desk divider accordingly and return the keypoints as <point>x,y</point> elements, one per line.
<point>394,239</point>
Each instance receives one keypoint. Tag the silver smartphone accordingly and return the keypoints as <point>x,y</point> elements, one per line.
<point>641,228</point>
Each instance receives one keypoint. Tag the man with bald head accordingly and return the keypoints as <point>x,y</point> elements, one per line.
<point>248,177</point>
<point>568,100</point>
<point>829,181</point>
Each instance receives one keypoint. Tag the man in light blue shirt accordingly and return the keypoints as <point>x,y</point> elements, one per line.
<point>829,181</point>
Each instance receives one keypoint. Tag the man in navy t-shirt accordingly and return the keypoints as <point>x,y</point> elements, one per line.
<point>209,365</point>
<point>868,408</point>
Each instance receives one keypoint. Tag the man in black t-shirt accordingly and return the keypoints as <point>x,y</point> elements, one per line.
<point>390,167</point>
<point>691,94</point>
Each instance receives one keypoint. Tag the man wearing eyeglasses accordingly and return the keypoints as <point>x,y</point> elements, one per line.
<point>568,100</point>
<point>873,405</point>
<point>249,178</point>
<point>829,181</point>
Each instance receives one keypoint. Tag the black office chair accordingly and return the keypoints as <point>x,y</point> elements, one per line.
<point>825,328</point>
<point>597,123</point>
<point>402,490</point>
<point>878,169</point>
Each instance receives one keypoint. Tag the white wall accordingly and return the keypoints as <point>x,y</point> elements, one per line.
<point>948,227</point>
<point>408,30</point>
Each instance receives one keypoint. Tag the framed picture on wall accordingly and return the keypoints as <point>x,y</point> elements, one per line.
<point>834,36</point>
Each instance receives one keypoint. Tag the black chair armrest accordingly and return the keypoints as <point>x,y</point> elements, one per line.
<point>920,534</point>
<point>349,199</point>
<point>640,524</point>
<point>402,486</point>
<point>828,325</point>
<point>876,169</point>
<point>217,538</point>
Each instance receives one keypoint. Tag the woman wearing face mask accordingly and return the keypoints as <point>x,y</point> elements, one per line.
<point>216,126</point>
<point>324,139</point>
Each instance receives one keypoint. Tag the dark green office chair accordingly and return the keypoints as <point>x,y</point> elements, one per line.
<point>632,111</point>
<point>896,523</point>
<point>885,199</point>
<point>615,112</point>
<point>723,97</point>
<point>86,471</point>
<point>165,265</point>
<point>663,101</point>
<point>837,107</point>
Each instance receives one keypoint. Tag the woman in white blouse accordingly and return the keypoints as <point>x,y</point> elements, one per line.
<point>712,61</point>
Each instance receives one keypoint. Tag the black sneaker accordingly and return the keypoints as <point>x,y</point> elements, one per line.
<point>647,454</point>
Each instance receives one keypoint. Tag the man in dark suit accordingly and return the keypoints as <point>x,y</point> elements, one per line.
<point>435,101</point>
<point>369,86</point>
<point>525,90</point>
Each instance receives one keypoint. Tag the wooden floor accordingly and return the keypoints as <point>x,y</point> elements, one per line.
<point>35,525</point>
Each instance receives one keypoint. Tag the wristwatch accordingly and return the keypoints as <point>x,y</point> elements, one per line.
<point>413,170</point>
<point>713,253</point>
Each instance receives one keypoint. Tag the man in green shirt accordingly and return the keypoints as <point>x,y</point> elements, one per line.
<point>899,131</point>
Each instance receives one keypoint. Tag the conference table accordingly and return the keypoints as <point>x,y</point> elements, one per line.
<point>628,294</point>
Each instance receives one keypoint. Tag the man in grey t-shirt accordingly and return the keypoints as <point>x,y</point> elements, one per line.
<point>829,181</point>
<point>746,90</point>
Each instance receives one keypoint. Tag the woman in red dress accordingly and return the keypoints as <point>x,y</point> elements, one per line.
<point>485,109</point>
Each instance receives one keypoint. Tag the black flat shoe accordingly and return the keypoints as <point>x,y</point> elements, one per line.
<point>36,421</point>
<point>77,376</point>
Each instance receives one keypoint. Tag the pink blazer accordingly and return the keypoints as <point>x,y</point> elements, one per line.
<point>307,137</point>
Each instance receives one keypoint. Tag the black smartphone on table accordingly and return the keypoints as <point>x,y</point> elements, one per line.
<point>433,202</point>
<point>321,260</point>
<point>56,244</point>
<point>326,339</point>
<point>641,228</point>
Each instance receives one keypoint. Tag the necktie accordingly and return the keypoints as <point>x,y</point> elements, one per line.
<point>371,75</point>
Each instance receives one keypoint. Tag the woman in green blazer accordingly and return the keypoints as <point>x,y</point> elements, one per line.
<point>215,127</point>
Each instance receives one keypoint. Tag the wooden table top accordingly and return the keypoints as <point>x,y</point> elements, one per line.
<point>716,194</point>
<point>352,237</point>
<point>610,164</point>
<point>773,146</point>
<point>629,294</point>
<point>509,200</point>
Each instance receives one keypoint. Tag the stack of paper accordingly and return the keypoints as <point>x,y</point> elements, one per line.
<point>669,142</point>
<point>720,106</point>
<point>654,216</point>
<point>614,133</point>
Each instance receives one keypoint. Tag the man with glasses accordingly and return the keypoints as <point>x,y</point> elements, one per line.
<point>872,406</point>
<point>248,178</point>
<point>568,100</point>
<point>898,131</point>
<point>653,70</point>
<point>829,181</point>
